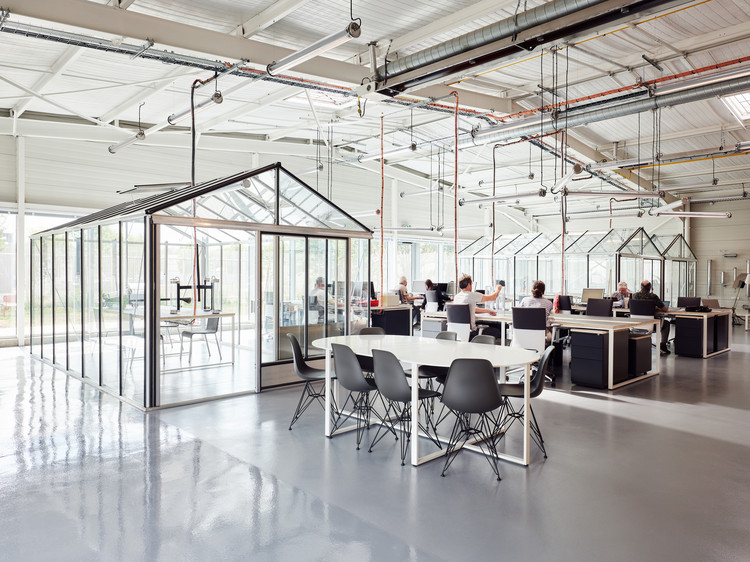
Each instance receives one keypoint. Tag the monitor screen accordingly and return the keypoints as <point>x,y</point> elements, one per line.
<point>418,287</point>
<point>684,302</point>
<point>599,307</point>
<point>442,287</point>
<point>591,294</point>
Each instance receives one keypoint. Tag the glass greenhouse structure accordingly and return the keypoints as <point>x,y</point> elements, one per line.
<point>679,266</point>
<point>188,295</point>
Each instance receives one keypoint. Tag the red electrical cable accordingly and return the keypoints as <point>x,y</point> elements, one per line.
<point>455,189</point>
<point>382,195</point>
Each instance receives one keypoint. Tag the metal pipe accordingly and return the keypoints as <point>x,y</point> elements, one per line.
<point>327,43</point>
<point>694,214</point>
<point>500,198</point>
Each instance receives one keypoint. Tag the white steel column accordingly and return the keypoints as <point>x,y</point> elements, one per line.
<point>21,240</point>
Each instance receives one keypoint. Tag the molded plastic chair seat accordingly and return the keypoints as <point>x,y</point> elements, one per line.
<point>481,338</point>
<point>310,375</point>
<point>392,385</point>
<point>212,327</point>
<point>364,360</point>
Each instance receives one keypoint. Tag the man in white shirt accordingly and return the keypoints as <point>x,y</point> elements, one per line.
<point>468,296</point>
<point>318,298</point>
<point>406,298</point>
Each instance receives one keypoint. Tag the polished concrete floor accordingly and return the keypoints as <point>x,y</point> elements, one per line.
<point>659,470</point>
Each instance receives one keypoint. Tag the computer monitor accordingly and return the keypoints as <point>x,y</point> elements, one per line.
<point>591,294</point>
<point>441,287</point>
<point>599,307</point>
<point>685,302</point>
<point>451,290</point>
<point>418,287</point>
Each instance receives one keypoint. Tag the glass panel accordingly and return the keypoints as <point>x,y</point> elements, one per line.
<point>110,301</point>
<point>584,243</point>
<point>320,300</point>
<point>132,320</point>
<point>576,274</point>
<point>58,301</point>
<point>517,244</point>
<point>550,272</point>
<point>337,258</point>
<point>47,351</point>
<point>525,276</point>
<point>36,297</point>
<point>612,242</point>
<point>652,271</point>
<point>268,289</point>
<point>601,273</point>
<point>75,309</point>
<point>8,279</point>
<point>246,287</point>
<point>292,283</point>
<point>538,243</point>
<point>91,307</point>
<point>427,257</point>
<point>630,272</point>
<point>300,205</point>
<point>359,277</point>
<point>403,265</point>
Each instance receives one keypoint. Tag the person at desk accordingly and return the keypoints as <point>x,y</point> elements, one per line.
<point>537,300</point>
<point>406,298</point>
<point>430,286</point>
<point>319,297</point>
<point>646,294</point>
<point>468,296</point>
<point>621,295</point>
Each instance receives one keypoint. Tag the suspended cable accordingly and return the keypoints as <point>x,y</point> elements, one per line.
<point>382,199</point>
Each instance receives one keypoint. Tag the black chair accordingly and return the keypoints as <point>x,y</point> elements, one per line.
<point>365,361</point>
<point>529,328</point>
<point>515,390</point>
<point>212,327</point>
<point>599,307</point>
<point>688,302</point>
<point>311,376</point>
<point>350,376</point>
<point>459,320</point>
<point>392,385</point>
<point>431,301</point>
<point>431,372</point>
<point>471,393</point>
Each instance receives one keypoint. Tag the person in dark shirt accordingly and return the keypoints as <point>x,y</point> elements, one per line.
<point>646,293</point>
<point>430,286</point>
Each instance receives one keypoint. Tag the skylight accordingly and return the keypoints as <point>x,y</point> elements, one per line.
<point>739,105</point>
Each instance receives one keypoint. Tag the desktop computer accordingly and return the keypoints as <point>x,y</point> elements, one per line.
<point>587,294</point>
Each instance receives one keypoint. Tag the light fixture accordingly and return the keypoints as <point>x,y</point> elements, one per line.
<point>742,146</point>
<point>388,153</point>
<point>702,185</point>
<point>139,136</point>
<point>316,168</point>
<point>513,179</point>
<point>694,214</point>
<point>631,163</point>
<point>406,228</point>
<point>360,214</point>
<point>636,194</point>
<point>156,187</point>
<point>742,195</point>
<point>613,215</point>
<point>563,181</point>
<point>670,207</point>
<point>351,31</point>
<point>502,198</point>
<point>216,98</point>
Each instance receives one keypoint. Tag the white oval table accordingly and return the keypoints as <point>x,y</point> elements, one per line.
<point>439,353</point>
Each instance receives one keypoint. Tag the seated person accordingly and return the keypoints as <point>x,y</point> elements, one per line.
<point>468,296</point>
<point>537,300</point>
<point>430,286</point>
<point>621,295</point>
<point>406,298</point>
<point>646,294</point>
<point>318,297</point>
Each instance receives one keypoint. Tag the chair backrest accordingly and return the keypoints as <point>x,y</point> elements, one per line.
<point>529,328</point>
<point>212,324</point>
<point>446,335</point>
<point>300,367</point>
<point>564,303</point>
<point>481,338</point>
<point>471,387</point>
<point>684,302</point>
<point>711,303</point>
<point>390,377</point>
<point>431,301</point>
<point>642,308</point>
<point>537,378</point>
<point>372,331</point>
<point>459,320</point>
<point>348,370</point>
<point>599,307</point>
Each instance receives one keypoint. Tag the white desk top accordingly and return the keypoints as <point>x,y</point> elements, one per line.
<point>563,320</point>
<point>430,351</point>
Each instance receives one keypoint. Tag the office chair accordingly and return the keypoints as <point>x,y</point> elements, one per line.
<point>350,376</point>
<point>311,376</point>
<point>515,390</point>
<point>471,394</point>
<point>459,320</point>
<point>431,372</point>
<point>641,310</point>
<point>530,330</point>
<point>483,339</point>
<point>365,361</point>
<point>431,301</point>
<point>393,386</point>
<point>212,327</point>
<point>599,307</point>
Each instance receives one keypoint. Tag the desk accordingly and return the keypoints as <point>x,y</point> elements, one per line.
<point>583,322</point>
<point>708,332</point>
<point>395,320</point>
<point>185,316</point>
<point>441,353</point>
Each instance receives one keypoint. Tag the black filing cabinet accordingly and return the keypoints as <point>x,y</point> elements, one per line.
<point>395,321</point>
<point>639,354</point>
<point>688,335</point>
<point>589,357</point>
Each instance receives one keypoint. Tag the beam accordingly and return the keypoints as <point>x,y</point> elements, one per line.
<point>143,27</point>
<point>275,12</point>
<point>57,68</point>
<point>159,85</point>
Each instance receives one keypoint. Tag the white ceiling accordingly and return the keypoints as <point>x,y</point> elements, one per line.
<point>58,91</point>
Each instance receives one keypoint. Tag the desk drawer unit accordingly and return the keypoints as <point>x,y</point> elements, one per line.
<point>639,355</point>
<point>589,358</point>
<point>432,326</point>
<point>688,336</point>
